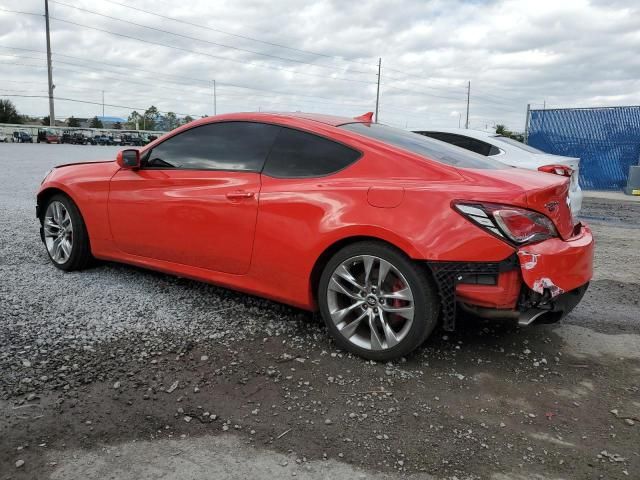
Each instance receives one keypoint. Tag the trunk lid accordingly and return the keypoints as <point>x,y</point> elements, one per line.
<point>543,192</point>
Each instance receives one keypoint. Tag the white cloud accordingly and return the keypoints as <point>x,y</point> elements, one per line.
<point>567,53</point>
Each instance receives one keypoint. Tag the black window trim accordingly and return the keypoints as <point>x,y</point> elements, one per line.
<point>148,152</point>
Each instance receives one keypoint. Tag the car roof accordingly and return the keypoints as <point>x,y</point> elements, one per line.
<point>332,120</point>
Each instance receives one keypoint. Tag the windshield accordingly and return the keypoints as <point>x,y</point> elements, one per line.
<point>424,146</point>
<point>516,143</point>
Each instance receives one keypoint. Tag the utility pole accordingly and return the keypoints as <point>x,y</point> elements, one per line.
<point>466,125</point>
<point>526,124</point>
<point>103,104</point>
<point>215,109</point>
<point>52,114</point>
<point>378,89</point>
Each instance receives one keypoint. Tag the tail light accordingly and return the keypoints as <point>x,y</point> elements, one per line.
<point>516,224</point>
<point>557,169</point>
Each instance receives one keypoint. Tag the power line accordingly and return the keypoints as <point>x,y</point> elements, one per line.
<point>217,57</point>
<point>362,104</point>
<point>201,39</point>
<point>226,84</point>
<point>100,103</point>
<point>414,92</point>
<point>238,35</point>
<point>210,55</point>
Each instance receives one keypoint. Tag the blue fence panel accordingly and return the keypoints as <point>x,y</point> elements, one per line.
<point>607,141</point>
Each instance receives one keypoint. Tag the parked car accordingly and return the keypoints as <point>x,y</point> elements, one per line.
<point>132,139</point>
<point>47,135</point>
<point>6,137</point>
<point>76,137</point>
<point>384,231</point>
<point>513,153</point>
<point>103,140</point>
<point>20,136</point>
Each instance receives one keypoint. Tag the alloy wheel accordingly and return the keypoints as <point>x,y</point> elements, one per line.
<point>58,232</point>
<point>370,302</point>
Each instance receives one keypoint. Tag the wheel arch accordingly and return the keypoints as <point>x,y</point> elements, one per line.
<point>45,194</point>
<point>330,250</point>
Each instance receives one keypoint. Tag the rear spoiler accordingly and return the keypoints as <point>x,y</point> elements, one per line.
<point>365,118</point>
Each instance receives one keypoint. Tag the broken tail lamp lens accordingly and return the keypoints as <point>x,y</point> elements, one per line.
<point>513,223</point>
<point>562,170</point>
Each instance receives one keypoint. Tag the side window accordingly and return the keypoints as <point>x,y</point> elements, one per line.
<point>297,154</point>
<point>215,146</point>
<point>494,150</point>
<point>468,143</point>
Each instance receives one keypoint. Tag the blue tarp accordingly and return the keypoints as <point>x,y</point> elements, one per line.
<point>607,140</point>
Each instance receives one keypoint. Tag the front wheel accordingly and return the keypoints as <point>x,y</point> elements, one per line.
<point>65,234</point>
<point>376,302</point>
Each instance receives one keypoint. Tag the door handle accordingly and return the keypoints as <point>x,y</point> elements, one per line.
<point>240,194</point>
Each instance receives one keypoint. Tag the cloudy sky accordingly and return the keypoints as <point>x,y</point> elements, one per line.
<point>322,56</point>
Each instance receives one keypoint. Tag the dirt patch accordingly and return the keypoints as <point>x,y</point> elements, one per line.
<point>474,404</point>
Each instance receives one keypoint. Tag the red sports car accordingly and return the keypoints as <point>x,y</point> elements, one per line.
<point>386,232</point>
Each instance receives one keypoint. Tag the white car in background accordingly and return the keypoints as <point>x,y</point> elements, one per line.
<point>514,153</point>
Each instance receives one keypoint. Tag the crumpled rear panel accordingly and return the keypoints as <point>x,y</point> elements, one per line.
<point>557,265</point>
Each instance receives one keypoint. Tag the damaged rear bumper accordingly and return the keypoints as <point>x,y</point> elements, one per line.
<point>541,282</point>
<point>556,266</point>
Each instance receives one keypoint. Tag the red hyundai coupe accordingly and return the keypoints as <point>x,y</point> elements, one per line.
<point>386,232</point>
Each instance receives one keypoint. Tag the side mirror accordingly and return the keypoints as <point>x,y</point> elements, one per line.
<point>129,159</point>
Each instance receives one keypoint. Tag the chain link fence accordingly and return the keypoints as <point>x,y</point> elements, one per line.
<point>607,140</point>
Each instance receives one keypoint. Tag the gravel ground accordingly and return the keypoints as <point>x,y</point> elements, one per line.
<point>92,363</point>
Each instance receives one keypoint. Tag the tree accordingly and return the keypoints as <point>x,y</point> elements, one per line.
<point>171,121</point>
<point>134,121</point>
<point>73,122</point>
<point>150,118</point>
<point>187,119</point>
<point>8,112</point>
<point>45,120</point>
<point>117,126</point>
<point>96,123</point>
<point>504,131</point>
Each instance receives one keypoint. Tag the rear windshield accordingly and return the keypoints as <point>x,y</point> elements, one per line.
<point>518,144</point>
<point>423,146</point>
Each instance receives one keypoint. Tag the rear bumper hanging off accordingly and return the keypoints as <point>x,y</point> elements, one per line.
<point>549,277</point>
<point>448,275</point>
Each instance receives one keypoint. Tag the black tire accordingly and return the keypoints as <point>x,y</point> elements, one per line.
<point>80,256</point>
<point>425,299</point>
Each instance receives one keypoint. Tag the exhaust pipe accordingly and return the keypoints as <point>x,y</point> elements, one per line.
<point>524,319</point>
<point>527,318</point>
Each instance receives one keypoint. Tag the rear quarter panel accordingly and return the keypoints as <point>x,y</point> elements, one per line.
<point>298,219</point>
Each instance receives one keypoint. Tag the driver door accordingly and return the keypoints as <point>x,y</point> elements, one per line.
<point>194,201</point>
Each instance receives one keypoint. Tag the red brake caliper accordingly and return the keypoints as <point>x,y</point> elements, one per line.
<point>395,303</point>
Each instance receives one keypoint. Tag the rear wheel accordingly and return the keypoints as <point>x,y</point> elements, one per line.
<point>376,302</point>
<point>65,234</point>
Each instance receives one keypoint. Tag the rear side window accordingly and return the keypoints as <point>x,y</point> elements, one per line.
<point>239,146</point>
<point>297,154</point>
<point>462,141</point>
<point>423,146</point>
<point>516,143</point>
